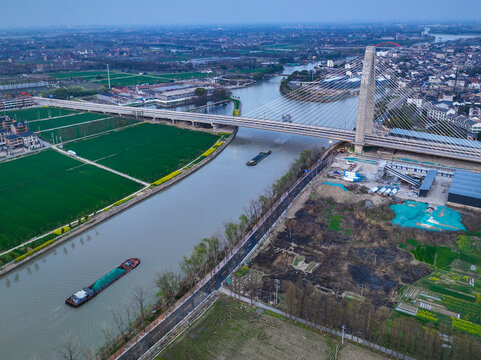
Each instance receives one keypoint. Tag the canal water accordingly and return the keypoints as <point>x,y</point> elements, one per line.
<point>450,37</point>
<point>34,320</point>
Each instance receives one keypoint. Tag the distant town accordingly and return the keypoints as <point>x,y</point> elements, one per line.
<point>250,192</point>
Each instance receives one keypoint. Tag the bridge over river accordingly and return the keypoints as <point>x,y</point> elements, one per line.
<point>297,117</point>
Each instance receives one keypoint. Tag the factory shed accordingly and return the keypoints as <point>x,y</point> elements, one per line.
<point>466,189</point>
<point>427,183</point>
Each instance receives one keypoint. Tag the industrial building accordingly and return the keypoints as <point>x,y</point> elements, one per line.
<point>465,189</point>
<point>427,183</point>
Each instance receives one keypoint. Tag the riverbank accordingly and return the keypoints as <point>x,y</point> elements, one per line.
<point>148,231</point>
<point>118,207</point>
<point>214,278</point>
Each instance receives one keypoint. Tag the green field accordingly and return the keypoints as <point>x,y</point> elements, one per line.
<point>36,113</point>
<point>185,75</point>
<point>146,151</point>
<point>78,74</point>
<point>44,191</point>
<point>82,130</point>
<point>129,79</point>
<point>40,125</point>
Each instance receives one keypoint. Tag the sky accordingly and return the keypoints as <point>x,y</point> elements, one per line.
<point>63,13</point>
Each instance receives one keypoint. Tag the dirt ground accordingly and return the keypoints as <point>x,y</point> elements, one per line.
<point>236,331</point>
<point>351,352</point>
<point>341,241</point>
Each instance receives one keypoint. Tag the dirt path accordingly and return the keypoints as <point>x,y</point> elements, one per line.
<point>351,352</point>
<point>86,161</point>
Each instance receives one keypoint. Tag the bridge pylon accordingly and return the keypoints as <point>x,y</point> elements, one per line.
<point>365,110</point>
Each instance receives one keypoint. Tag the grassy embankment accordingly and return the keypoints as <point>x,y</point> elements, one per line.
<point>237,103</point>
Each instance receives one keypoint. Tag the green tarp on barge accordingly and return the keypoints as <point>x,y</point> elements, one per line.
<point>107,279</point>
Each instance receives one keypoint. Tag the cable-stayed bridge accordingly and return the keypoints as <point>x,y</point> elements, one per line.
<point>363,102</point>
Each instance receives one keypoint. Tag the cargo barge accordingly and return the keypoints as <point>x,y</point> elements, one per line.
<point>258,158</point>
<point>100,285</point>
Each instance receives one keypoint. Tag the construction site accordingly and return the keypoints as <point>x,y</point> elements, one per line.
<point>378,231</point>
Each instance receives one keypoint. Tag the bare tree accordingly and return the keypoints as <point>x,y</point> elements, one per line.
<point>290,223</point>
<point>290,299</point>
<point>90,354</point>
<point>140,301</point>
<point>123,325</point>
<point>253,210</point>
<point>69,350</point>
<point>108,336</point>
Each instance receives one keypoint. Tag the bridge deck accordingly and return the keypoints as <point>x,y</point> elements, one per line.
<point>386,141</point>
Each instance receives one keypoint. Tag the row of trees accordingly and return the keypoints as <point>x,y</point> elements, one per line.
<point>171,286</point>
<point>210,251</point>
<point>368,321</point>
<point>66,93</point>
<point>269,70</point>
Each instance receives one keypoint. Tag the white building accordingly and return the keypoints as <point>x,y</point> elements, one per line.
<point>417,102</point>
<point>437,114</point>
<point>475,114</point>
<point>29,139</point>
<point>476,128</point>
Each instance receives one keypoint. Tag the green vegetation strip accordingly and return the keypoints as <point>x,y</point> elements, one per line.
<point>36,113</point>
<point>148,151</point>
<point>78,131</point>
<point>44,191</point>
<point>40,125</point>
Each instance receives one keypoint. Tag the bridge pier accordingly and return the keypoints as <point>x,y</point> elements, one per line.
<point>365,110</point>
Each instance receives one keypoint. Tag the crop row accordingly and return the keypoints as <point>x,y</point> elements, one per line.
<point>471,311</point>
<point>445,291</point>
<point>167,177</point>
<point>466,326</point>
<point>38,248</point>
<point>424,314</point>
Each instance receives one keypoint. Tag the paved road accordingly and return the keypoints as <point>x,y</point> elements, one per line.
<point>462,149</point>
<point>216,281</point>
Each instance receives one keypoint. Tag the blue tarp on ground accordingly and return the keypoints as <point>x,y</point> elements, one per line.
<point>420,215</point>
<point>334,184</point>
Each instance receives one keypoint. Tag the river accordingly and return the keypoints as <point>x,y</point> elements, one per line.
<point>450,37</point>
<point>35,321</point>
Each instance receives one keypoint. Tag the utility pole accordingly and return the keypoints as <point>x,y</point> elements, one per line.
<point>277,284</point>
<point>343,330</point>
